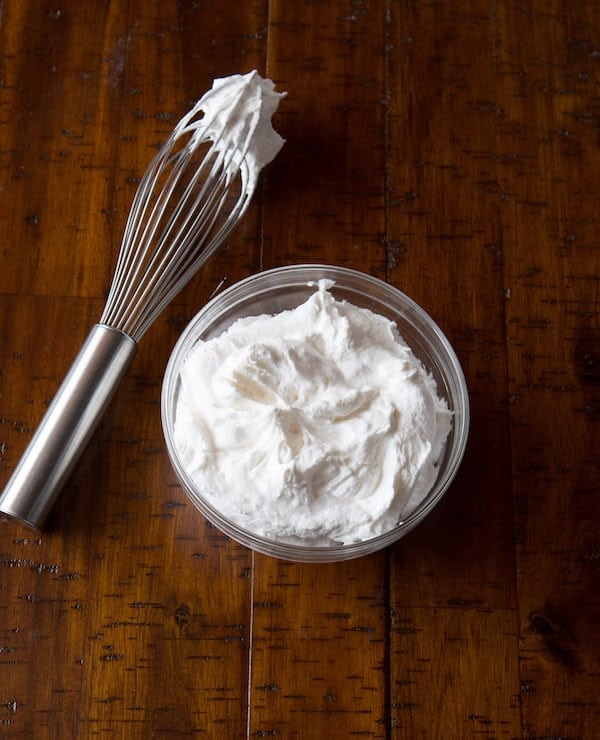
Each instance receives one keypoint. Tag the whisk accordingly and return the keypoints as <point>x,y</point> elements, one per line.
<point>194,192</point>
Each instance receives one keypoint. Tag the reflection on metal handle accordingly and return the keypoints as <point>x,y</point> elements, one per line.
<point>67,426</point>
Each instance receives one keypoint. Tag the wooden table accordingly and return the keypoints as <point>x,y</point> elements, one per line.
<point>450,148</point>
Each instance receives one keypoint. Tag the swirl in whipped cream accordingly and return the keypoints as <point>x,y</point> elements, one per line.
<point>314,426</point>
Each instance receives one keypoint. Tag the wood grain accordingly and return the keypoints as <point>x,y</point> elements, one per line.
<point>553,271</point>
<point>450,148</point>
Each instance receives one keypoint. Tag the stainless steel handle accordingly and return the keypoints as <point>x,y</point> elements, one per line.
<point>67,425</point>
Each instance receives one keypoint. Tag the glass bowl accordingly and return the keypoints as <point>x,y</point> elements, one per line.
<point>285,288</point>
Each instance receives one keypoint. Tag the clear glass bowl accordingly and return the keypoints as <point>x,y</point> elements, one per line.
<point>284,288</point>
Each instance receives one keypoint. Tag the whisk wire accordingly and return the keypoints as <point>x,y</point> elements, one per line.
<point>180,214</point>
<point>139,242</point>
<point>175,254</point>
<point>167,238</point>
<point>180,268</point>
<point>139,233</point>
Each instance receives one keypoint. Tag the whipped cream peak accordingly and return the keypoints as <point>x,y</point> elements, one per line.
<point>236,117</point>
<point>314,426</point>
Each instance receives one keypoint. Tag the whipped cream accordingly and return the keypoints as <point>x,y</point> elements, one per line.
<point>314,426</point>
<point>237,114</point>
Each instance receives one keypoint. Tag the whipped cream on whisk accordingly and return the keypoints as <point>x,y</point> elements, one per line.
<point>237,118</point>
<point>314,426</point>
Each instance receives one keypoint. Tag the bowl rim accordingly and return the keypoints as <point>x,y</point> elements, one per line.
<point>299,552</point>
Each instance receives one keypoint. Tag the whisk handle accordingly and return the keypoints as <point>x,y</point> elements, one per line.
<point>67,425</point>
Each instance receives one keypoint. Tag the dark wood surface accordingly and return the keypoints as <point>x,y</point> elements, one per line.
<point>450,148</point>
